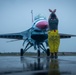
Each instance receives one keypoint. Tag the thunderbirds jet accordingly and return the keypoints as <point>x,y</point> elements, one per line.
<point>35,36</point>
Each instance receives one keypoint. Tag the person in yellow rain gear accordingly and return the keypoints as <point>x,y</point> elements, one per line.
<point>53,35</point>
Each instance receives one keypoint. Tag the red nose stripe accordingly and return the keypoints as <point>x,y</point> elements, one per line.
<point>42,24</point>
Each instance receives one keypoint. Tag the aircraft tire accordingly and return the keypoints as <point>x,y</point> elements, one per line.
<point>21,52</point>
<point>38,53</point>
<point>48,52</point>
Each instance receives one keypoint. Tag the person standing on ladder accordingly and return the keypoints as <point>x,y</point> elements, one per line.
<point>53,35</point>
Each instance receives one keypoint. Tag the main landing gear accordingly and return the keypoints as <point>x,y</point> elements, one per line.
<point>39,47</point>
<point>21,52</point>
<point>47,52</point>
<point>38,52</point>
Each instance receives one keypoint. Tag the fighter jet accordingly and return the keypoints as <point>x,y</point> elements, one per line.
<point>36,36</point>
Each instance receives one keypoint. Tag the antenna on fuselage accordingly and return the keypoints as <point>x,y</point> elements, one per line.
<point>32,15</point>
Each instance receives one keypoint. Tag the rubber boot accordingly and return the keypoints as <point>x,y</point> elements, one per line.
<point>52,55</point>
<point>56,55</point>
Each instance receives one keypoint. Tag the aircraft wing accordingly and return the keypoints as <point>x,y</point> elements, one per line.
<point>25,34</point>
<point>62,36</point>
<point>18,36</point>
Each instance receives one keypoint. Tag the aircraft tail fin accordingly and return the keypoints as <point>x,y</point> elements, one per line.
<point>32,14</point>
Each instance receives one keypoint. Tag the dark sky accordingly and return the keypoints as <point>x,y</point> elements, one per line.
<point>15,16</point>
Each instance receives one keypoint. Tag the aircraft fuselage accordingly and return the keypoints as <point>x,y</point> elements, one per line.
<point>40,25</point>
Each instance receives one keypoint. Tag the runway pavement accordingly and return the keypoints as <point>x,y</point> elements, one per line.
<point>16,65</point>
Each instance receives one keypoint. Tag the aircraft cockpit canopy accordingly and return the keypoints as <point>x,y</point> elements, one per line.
<point>39,16</point>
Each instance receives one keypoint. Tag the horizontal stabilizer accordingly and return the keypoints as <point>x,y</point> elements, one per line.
<point>62,36</point>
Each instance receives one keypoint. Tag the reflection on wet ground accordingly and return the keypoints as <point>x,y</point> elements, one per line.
<point>64,65</point>
<point>44,66</point>
<point>34,63</point>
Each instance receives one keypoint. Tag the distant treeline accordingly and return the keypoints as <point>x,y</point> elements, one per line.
<point>32,53</point>
<point>17,53</point>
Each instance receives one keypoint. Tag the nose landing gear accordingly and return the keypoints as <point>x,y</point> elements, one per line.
<point>38,53</point>
<point>48,52</point>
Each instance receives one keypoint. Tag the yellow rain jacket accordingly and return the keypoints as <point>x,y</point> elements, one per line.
<point>53,40</point>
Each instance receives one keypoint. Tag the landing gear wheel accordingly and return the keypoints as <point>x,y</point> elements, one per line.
<point>21,52</point>
<point>38,53</point>
<point>48,52</point>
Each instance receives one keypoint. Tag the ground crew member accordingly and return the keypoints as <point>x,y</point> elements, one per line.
<point>53,36</point>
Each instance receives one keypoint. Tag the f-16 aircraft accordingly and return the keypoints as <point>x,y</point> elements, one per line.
<point>35,36</point>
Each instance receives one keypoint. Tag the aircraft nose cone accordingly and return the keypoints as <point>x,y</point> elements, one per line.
<point>42,25</point>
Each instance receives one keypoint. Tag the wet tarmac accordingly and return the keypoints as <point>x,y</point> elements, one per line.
<point>16,65</point>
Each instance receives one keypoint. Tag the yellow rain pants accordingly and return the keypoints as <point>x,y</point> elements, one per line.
<point>53,41</point>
